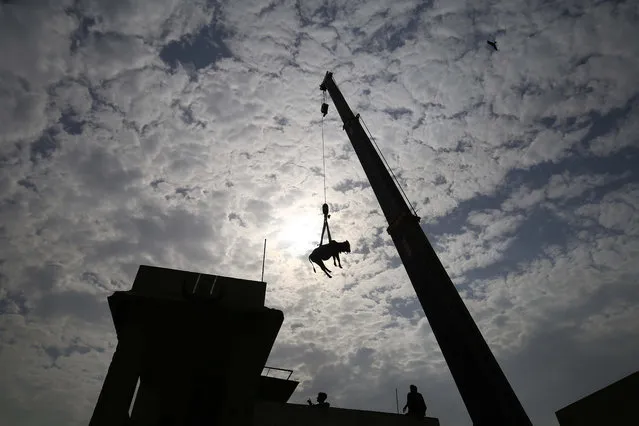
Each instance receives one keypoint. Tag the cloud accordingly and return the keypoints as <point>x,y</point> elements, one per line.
<point>184,134</point>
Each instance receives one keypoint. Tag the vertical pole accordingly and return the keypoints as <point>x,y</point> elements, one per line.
<point>263,259</point>
<point>397,400</point>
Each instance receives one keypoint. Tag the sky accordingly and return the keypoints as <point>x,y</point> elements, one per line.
<point>181,134</point>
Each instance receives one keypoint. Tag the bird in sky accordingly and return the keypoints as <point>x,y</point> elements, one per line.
<point>492,43</point>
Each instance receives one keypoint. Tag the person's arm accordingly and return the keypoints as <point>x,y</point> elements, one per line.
<point>406,406</point>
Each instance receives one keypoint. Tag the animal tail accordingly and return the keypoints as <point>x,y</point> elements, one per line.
<point>309,259</point>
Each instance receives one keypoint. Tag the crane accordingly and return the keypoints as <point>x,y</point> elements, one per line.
<point>485,390</point>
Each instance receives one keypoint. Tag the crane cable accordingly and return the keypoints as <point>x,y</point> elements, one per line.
<point>379,151</point>
<point>388,166</point>
<point>325,227</point>
<point>323,152</point>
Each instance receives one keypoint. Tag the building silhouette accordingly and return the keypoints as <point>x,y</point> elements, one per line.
<point>192,349</point>
<point>615,404</point>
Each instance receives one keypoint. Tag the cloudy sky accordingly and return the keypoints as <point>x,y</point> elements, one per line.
<point>183,133</point>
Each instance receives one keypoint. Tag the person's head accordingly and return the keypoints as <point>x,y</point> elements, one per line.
<point>413,388</point>
<point>321,397</point>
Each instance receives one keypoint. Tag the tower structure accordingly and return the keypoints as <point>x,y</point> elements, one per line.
<point>191,348</point>
<point>489,398</point>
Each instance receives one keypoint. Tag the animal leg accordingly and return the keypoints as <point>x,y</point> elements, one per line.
<point>324,268</point>
<point>326,271</point>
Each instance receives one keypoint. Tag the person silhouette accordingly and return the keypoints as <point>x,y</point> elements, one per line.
<point>321,401</point>
<point>415,403</point>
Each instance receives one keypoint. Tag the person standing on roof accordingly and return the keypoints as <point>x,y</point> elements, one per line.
<point>415,403</point>
<point>321,400</point>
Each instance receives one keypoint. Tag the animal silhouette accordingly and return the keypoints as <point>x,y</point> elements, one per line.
<point>326,251</point>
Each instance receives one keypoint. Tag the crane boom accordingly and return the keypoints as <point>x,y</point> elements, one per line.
<point>489,398</point>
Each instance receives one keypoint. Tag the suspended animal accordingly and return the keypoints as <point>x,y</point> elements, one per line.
<point>326,251</point>
<point>493,44</point>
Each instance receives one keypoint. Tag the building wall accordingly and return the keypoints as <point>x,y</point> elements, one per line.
<point>187,339</point>
<point>278,414</point>
<point>616,405</point>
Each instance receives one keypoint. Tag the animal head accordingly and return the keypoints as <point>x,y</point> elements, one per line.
<point>341,247</point>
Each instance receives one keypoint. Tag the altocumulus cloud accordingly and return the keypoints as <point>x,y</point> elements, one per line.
<point>181,134</point>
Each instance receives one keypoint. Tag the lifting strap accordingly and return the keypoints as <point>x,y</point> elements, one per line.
<point>325,227</point>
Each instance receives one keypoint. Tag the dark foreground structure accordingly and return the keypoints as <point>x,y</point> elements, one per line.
<point>484,388</point>
<point>191,351</point>
<point>616,404</point>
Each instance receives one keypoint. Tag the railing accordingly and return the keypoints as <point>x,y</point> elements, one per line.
<point>268,370</point>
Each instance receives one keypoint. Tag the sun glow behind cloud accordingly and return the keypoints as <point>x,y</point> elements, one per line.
<point>300,235</point>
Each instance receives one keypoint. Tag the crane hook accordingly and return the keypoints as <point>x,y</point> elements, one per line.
<point>325,210</point>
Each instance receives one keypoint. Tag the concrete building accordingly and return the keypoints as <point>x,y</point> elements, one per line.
<point>616,404</point>
<point>277,414</point>
<point>191,351</point>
